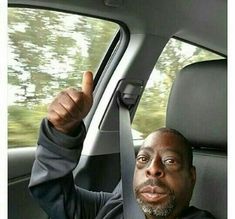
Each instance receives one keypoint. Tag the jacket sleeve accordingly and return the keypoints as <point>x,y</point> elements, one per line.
<point>51,181</point>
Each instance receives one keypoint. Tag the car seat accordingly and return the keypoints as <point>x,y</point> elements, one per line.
<point>197,108</point>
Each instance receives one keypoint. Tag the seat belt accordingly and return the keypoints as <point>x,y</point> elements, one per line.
<point>131,209</point>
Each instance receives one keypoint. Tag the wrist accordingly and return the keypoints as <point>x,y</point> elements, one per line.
<point>68,129</point>
<point>71,140</point>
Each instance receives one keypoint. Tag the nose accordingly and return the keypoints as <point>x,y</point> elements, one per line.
<point>155,169</point>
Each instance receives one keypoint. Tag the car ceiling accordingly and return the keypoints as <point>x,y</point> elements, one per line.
<point>200,22</point>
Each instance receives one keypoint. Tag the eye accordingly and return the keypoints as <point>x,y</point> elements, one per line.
<point>142,159</point>
<point>169,161</point>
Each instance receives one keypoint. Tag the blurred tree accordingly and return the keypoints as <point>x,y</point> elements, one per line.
<point>48,51</point>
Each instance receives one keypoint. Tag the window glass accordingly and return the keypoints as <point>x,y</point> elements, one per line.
<point>151,111</point>
<point>48,51</point>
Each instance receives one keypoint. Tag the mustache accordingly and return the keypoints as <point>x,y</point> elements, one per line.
<point>153,182</point>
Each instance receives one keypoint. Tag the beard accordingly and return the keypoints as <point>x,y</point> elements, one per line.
<point>163,209</point>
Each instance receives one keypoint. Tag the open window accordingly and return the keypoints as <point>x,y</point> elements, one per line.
<point>48,52</point>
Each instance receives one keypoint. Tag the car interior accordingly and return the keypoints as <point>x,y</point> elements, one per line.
<point>196,104</point>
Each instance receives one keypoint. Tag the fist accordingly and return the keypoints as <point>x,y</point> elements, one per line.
<point>70,106</point>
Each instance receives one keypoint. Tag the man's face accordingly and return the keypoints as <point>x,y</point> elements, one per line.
<point>163,180</point>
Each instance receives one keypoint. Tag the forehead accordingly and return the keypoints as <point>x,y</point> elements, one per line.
<point>164,141</point>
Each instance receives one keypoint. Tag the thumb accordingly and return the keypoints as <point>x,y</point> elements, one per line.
<point>87,83</point>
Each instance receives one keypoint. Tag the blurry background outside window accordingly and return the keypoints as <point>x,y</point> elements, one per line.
<point>47,52</point>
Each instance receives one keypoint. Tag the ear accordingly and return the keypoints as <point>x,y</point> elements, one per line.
<point>193,175</point>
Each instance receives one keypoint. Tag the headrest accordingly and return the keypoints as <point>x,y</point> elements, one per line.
<point>197,104</point>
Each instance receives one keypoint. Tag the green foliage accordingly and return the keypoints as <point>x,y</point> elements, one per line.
<point>23,124</point>
<point>48,52</point>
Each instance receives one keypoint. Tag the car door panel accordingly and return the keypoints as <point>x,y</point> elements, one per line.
<point>20,203</point>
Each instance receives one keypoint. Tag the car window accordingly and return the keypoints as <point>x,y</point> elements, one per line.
<point>151,112</point>
<point>47,52</point>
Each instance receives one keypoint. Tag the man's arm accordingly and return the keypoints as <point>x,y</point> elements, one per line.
<point>51,180</point>
<point>59,147</point>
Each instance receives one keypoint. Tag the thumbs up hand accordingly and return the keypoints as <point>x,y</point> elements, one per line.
<point>70,106</point>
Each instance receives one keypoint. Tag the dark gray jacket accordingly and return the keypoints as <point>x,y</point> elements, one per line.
<point>52,182</point>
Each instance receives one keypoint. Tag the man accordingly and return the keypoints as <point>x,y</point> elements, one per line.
<point>164,176</point>
<point>163,180</point>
